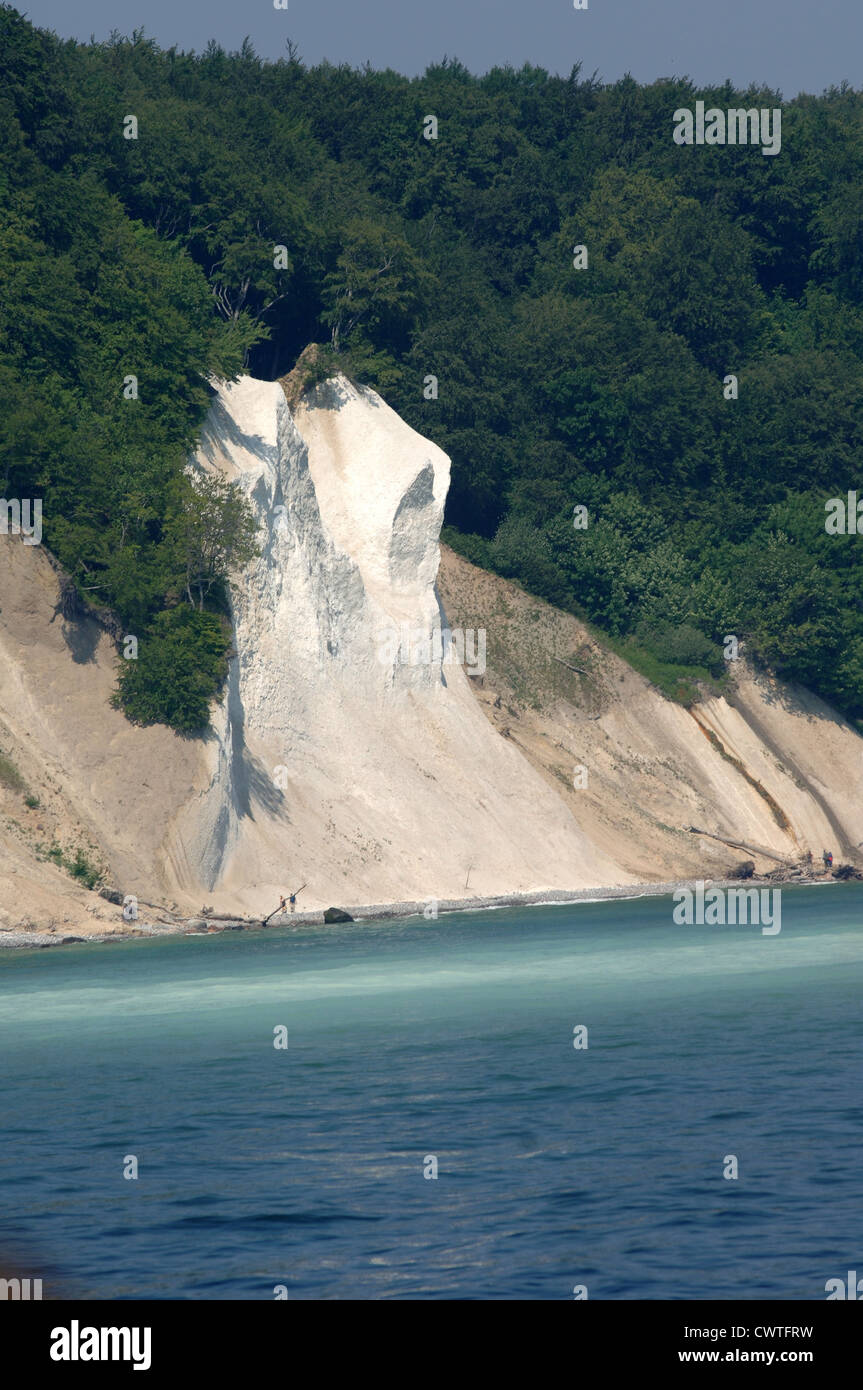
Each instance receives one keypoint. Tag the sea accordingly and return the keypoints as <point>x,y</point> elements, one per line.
<point>585,1100</point>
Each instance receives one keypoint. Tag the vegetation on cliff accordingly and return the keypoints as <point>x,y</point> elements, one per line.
<point>262,206</point>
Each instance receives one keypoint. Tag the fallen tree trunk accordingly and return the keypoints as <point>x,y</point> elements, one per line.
<point>229,917</point>
<point>741,844</point>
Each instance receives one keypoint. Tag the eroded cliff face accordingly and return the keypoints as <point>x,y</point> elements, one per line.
<point>347,754</point>
<point>101,784</point>
<point>350,754</point>
<point>767,765</point>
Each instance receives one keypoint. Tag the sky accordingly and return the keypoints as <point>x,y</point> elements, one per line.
<point>789,45</point>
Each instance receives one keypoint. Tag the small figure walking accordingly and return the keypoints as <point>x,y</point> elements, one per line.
<point>293,898</point>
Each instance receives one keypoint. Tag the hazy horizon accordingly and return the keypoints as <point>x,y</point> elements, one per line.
<point>787,45</point>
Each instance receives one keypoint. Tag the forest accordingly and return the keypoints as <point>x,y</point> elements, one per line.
<point>582,312</point>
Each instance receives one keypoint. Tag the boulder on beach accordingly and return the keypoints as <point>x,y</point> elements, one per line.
<point>745,869</point>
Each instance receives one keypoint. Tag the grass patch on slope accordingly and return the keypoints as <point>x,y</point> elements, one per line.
<point>683,684</point>
<point>10,777</point>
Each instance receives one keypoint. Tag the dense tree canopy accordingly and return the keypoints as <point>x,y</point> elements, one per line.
<point>266,205</point>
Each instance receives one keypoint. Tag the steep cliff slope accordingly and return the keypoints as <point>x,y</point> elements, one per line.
<point>350,753</point>
<point>768,765</point>
<point>103,786</point>
<point>351,757</point>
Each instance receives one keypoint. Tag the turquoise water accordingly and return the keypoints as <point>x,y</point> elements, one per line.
<point>451,1039</point>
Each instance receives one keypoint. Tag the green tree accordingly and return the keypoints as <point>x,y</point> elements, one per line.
<point>182,663</point>
<point>377,284</point>
<point>211,530</point>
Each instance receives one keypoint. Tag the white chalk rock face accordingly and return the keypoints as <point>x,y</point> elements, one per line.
<point>349,753</point>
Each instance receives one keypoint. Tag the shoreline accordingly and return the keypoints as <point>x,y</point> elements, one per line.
<point>381,912</point>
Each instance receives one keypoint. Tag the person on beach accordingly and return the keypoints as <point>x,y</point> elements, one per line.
<point>293,901</point>
<point>283,904</point>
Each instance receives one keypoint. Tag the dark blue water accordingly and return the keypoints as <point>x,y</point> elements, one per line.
<point>452,1039</point>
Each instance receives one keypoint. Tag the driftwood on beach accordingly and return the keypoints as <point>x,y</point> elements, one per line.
<point>228,917</point>
<point>741,844</point>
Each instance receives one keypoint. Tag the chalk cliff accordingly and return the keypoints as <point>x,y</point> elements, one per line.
<point>350,755</point>
<point>347,753</point>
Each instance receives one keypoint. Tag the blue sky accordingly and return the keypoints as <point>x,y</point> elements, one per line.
<point>792,45</point>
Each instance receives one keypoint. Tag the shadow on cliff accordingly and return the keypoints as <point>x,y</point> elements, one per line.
<point>82,639</point>
<point>335,393</point>
<point>220,428</point>
<point>252,784</point>
<point>787,695</point>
